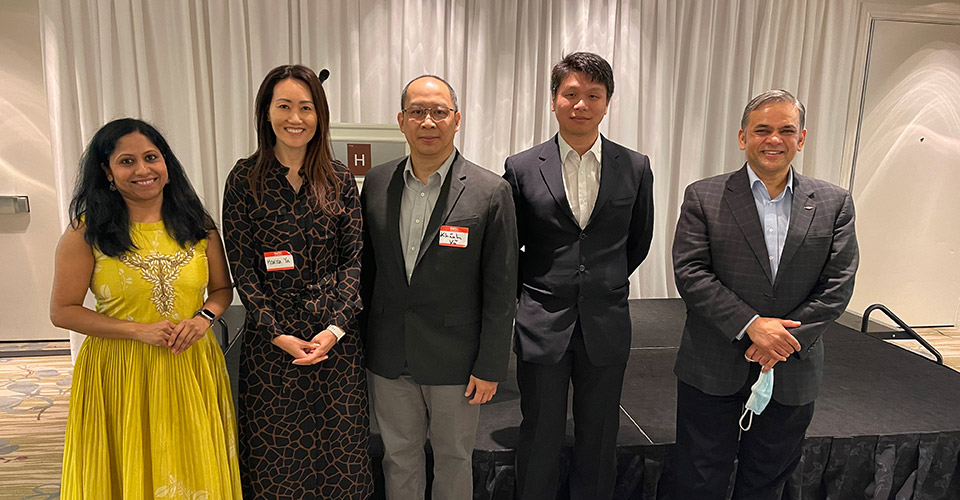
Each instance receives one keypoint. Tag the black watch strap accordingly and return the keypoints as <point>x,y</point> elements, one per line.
<point>206,313</point>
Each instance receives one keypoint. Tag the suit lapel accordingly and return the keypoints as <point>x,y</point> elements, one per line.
<point>609,175</point>
<point>739,198</point>
<point>551,168</point>
<point>449,194</point>
<point>801,215</point>
<point>394,195</point>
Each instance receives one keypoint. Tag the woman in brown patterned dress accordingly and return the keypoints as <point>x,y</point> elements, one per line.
<point>291,220</point>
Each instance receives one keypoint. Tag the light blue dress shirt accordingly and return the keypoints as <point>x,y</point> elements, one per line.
<point>775,220</point>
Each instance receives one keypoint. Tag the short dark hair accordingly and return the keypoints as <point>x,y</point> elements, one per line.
<point>453,94</point>
<point>768,97</point>
<point>588,63</point>
<point>105,213</point>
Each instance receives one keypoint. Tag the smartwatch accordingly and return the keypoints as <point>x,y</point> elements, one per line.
<point>206,313</point>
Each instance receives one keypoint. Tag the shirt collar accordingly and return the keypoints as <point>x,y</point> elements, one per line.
<point>284,170</point>
<point>752,176</point>
<point>566,149</point>
<point>409,177</point>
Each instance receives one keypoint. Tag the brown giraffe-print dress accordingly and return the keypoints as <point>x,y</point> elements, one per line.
<point>302,429</point>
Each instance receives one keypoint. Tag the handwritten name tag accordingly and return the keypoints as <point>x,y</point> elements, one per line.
<point>453,236</point>
<point>278,261</point>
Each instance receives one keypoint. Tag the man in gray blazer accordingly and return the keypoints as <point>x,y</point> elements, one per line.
<point>585,219</point>
<point>764,259</point>
<point>438,286</point>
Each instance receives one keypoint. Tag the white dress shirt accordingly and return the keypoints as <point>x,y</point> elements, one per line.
<point>581,178</point>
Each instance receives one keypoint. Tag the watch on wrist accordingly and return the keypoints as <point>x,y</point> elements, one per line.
<point>206,313</point>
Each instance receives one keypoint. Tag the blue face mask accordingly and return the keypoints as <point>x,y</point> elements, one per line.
<point>760,395</point>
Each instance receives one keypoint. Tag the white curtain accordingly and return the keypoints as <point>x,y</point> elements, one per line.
<point>684,69</point>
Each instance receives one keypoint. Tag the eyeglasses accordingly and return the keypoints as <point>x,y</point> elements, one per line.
<point>436,113</point>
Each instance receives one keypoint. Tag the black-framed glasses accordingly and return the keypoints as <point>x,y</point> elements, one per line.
<point>436,113</point>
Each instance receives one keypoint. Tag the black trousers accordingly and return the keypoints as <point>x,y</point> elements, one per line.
<point>709,439</point>
<point>596,415</point>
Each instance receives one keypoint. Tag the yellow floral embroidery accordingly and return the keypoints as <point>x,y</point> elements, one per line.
<point>161,271</point>
<point>176,489</point>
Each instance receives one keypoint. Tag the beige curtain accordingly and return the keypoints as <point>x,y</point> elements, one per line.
<point>684,69</point>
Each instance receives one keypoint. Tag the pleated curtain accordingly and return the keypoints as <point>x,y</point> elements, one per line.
<point>684,69</point>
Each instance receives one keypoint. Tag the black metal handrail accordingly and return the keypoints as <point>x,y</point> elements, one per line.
<point>906,328</point>
<point>233,316</point>
<point>224,336</point>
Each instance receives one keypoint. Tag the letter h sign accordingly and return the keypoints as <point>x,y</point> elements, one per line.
<point>358,158</point>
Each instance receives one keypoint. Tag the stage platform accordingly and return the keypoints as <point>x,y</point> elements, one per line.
<point>886,426</point>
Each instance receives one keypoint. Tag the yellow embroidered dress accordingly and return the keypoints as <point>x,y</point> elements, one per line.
<point>145,423</point>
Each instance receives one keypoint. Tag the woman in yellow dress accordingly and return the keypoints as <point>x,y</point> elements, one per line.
<point>151,414</point>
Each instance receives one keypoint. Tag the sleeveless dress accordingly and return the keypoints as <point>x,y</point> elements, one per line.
<point>145,423</point>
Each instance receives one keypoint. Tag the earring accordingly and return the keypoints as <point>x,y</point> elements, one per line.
<point>113,187</point>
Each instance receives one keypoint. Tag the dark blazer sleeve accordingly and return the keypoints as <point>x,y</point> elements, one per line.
<point>641,224</point>
<point>519,206</point>
<point>701,289</point>
<point>833,290</point>
<point>499,268</point>
<point>368,269</point>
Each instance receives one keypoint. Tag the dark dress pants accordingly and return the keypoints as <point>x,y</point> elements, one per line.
<point>709,440</point>
<point>596,415</point>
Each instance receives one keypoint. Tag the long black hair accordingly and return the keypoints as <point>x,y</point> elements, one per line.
<point>104,211</point>
<point>324,186</point>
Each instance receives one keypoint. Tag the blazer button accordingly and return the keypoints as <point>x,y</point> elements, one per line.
<point>580,298</point>
<point>583,236</point>
<point>583,268</point>
<point>409,311</point>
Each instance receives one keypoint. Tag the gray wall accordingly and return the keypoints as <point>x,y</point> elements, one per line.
<point>27,241</point>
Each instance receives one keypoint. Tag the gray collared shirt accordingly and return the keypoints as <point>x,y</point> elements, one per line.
<point>416,205</point>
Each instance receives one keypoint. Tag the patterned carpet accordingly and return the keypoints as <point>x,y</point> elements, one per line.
<point>34,395</point>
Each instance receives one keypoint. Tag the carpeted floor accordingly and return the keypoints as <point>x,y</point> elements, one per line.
<point>34,395</point>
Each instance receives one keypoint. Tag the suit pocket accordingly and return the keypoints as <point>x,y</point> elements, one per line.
<point>817,241</point>
<point>461,318</point>
<point>622,201</point>
<point>463,221</point>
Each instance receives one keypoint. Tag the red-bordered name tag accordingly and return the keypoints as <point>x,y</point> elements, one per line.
<point>278,261</point>
<point>453,236</point>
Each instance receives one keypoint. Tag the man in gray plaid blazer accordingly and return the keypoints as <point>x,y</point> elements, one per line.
<point>764,259</point>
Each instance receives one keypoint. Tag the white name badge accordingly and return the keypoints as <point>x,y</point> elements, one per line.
<point>278,261</point>
<point>453,236</point>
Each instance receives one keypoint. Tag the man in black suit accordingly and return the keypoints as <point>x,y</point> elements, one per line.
<point>438,281</point>
<point>585,221</point>
<point>764,259</point>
